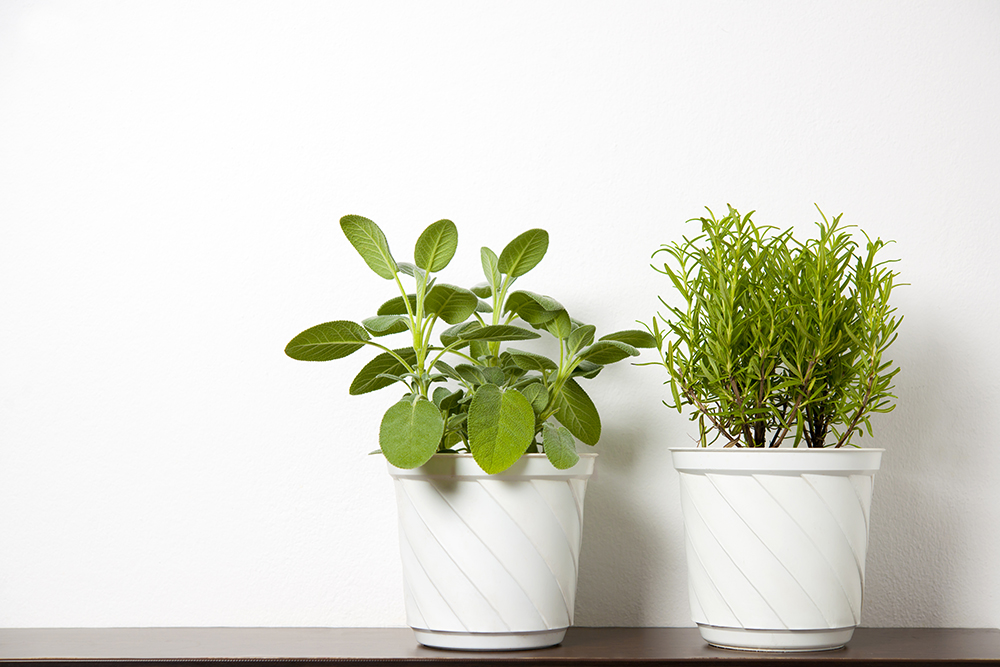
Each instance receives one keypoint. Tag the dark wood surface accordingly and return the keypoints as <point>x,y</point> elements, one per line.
<point>396,646</point>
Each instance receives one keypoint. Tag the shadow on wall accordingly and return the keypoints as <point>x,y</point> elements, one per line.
<point>927,513</point>
<point>632,570</point>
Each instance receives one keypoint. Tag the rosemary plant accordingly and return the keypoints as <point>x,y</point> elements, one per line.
<point>774,339</point>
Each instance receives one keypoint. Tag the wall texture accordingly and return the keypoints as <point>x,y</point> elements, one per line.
<point>171,174</point>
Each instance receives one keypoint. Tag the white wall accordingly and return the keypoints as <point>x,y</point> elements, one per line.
<point>171,175</point>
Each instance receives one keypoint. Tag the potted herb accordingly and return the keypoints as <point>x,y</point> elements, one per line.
<point>481,445</point>
<point>777,346</point>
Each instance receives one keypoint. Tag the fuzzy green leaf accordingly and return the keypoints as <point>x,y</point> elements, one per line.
<point>560,448</point>
<point>560,325</point>
<point>410,269</point>
<point>471,374</point>
<point>490,270</point>
<point>537,395</point>
<point>396,305</point>
<point>439,395</point>
<point>373,376</point>
<point>511,371</point>
<point>633,337</point>
<point>452,304</point>
<point>578,413</point>
<point>451,335</point>
<point>410,432</point>
<point>330,340</point>
<point>533,308</point>
<point>530,361</point>
<point>608,352</point>
<point>447,370</point>
<point>493,375</point>
<point>479,349</point>
<point>451,400</point>
<point>482,290</point>
<point>581,337</point>
<point>501,427</point>
<point>383,325</point>
<point>497,332</point>
<point>524,252</point>
<point>370,242</point>
<point>586,370</point>
<point>436,246</point>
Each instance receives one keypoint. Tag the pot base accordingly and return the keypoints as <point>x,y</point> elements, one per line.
<point>489,641</point>
<point>777,641</point>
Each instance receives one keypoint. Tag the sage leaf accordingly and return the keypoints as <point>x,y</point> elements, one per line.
<point>633,337</point>
<point>451,336</point>
<point>501,427</point>
<point>560,325</point>
<point>370,242</point>
<point>471,374</point>
<point>330,340</point>
<point>439,395</point>
<point>383,325</point>
<point>512,372</point>
<point>482,290</point>
<point>410,432</point>
<point>581,337</point>
<point>490,270</point>
<point>452,304</point>
<point>410,269</point>
<point>493,375</point>
<point>587,370</point>
<point>479,350</point>
<point>447,370</point>
<point>396,306</point>
<point>524,252</point>
<point>436,246</point>
<point>578,413</point>
<point>497,332</point>
<point>484,307</point>
<point>450,401</point>
<point>560,448</point>
<point>521,298</point>
<point>373,376</point>
<point>537,395</point>
<point>608,352</point>
<point>530,361</point>
<point>535,309</point>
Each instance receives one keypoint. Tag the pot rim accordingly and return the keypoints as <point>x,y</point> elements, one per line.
<point>776,450</point>
<point>776,460</point>
<point>464,466</point>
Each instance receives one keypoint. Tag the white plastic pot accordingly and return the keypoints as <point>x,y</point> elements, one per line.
<point>776,542</point>
<point>490,562</point>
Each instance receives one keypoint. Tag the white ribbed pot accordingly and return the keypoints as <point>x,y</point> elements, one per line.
<point>776,542</point>
<point>490,562</point>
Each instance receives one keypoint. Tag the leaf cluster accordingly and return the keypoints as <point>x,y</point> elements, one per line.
<point>772,337</point>
<point>467,391</point>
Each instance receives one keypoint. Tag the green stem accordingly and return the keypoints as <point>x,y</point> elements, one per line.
<point>449,349</point>
<point>398,358</point>
<point>498,301</point>
<point>415,330</point>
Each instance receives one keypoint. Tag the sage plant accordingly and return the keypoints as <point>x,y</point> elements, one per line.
<point>497,403</point>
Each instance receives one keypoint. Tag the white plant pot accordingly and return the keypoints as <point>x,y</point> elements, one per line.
<point>776,542</point>
<point>490,562</point>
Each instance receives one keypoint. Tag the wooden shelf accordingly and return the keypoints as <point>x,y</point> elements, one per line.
<point>396,646</point>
